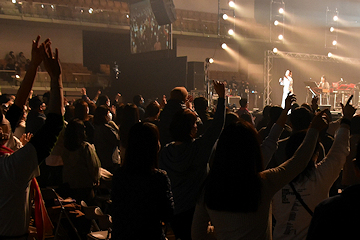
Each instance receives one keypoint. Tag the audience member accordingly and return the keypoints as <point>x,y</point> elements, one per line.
<point>152,112</point>
<point>106,139</point>
<point>138,100</point>
<point>274,113</point>
<point>141,195</point>
<point>176,103</point>
<point>130,116</point>
<point>202,109</point>
<point>338,217</point>
<point>185,160</point>
<point>81,163</point>
<point>36,117</point>
<point>243,110</point>
<point>82,113</point>
<point>19,168</point>
<point>10,61</point>
<point>238,192</point>
<point>294,203</point>
<point>265,118</point>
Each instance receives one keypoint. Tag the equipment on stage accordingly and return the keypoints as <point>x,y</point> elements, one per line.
<point>340,92</point>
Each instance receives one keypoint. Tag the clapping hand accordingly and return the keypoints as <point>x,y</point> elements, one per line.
<point>51,62</point>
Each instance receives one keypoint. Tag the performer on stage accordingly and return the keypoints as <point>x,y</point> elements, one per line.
<point>287,82</point>
<point>324,87</point>
<point>323,83</point>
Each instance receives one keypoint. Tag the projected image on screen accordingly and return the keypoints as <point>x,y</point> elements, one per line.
<point>145,34</point>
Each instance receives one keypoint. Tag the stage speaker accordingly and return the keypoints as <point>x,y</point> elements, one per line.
<point>196,76</point>
<point>164,11</point>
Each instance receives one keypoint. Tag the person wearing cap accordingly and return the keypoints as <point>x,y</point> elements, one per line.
<point>18,169</point>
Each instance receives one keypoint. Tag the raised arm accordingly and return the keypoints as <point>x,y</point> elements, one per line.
<point>16,111</point>
<point>283,174</point>
<point>45,139</point>
<point>26,85</point>
<point>269,145</point>
<point>208,139</point>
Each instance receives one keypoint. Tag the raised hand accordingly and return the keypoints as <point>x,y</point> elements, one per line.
<point>51,62</point>
<point>219,88</point>
<point>314,103</point>
<point>320,121</point>
<point>290,99</point>
<point>348,110</point>
<point>36,51</point>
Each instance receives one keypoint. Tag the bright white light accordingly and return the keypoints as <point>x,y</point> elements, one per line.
<point>42,6</point>
<point>52,6</point>
<point>231,4</point>
<point>281,10</point>
<point>329,54</point>
<point>275,50</point>
<point>276,22</point>
<point>334,42</point>
<point>211,60</point>
<point>91,10</point>
<point>335,18</point>
<point>17,76</point>
<point>225,16</point>
<point>223,46</point>
<point>280,37</point>
<point>332,29</point>
<point>13,1</point>
<point>231,32</point>
<point>127,15</point>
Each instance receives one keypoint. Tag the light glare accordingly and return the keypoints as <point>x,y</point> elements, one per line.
<point>281,10</point>
<point>231,4</point>
<point>280,37</point>
<point>223,46</point>
<point>231,32</point>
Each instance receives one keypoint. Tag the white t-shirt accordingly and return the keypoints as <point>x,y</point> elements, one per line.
<point>16,172</point>
<point>292,220</point>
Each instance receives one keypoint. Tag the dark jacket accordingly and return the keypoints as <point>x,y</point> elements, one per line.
<point>186,164</point>
<point>140,202</point>
<point>337,217</point>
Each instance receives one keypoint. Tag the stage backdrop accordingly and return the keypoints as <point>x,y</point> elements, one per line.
<point>151,78</point>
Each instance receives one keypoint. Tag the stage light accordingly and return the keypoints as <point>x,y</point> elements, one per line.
<point>281,10</point>
<point>13,1</point>
<point>42,6</point>
<point>329,54</point>
<point>332,29</point>
<point>52,6</point>
<point>276,22</point>
<point>91,10</point>
<point>334,42</point>
<point>335,18</point>
<point>127,16</point>
<point>231,32</point>
<point>210,60</point>
<point>275,50</point>
<point>224,46</point>
<point>280,37</point>
<point>231,4</point>
<point>225,16</point>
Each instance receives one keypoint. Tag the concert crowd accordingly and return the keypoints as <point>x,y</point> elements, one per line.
<point>173,169</point>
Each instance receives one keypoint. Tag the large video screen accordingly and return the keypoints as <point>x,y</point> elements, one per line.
<point>145,33</point>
